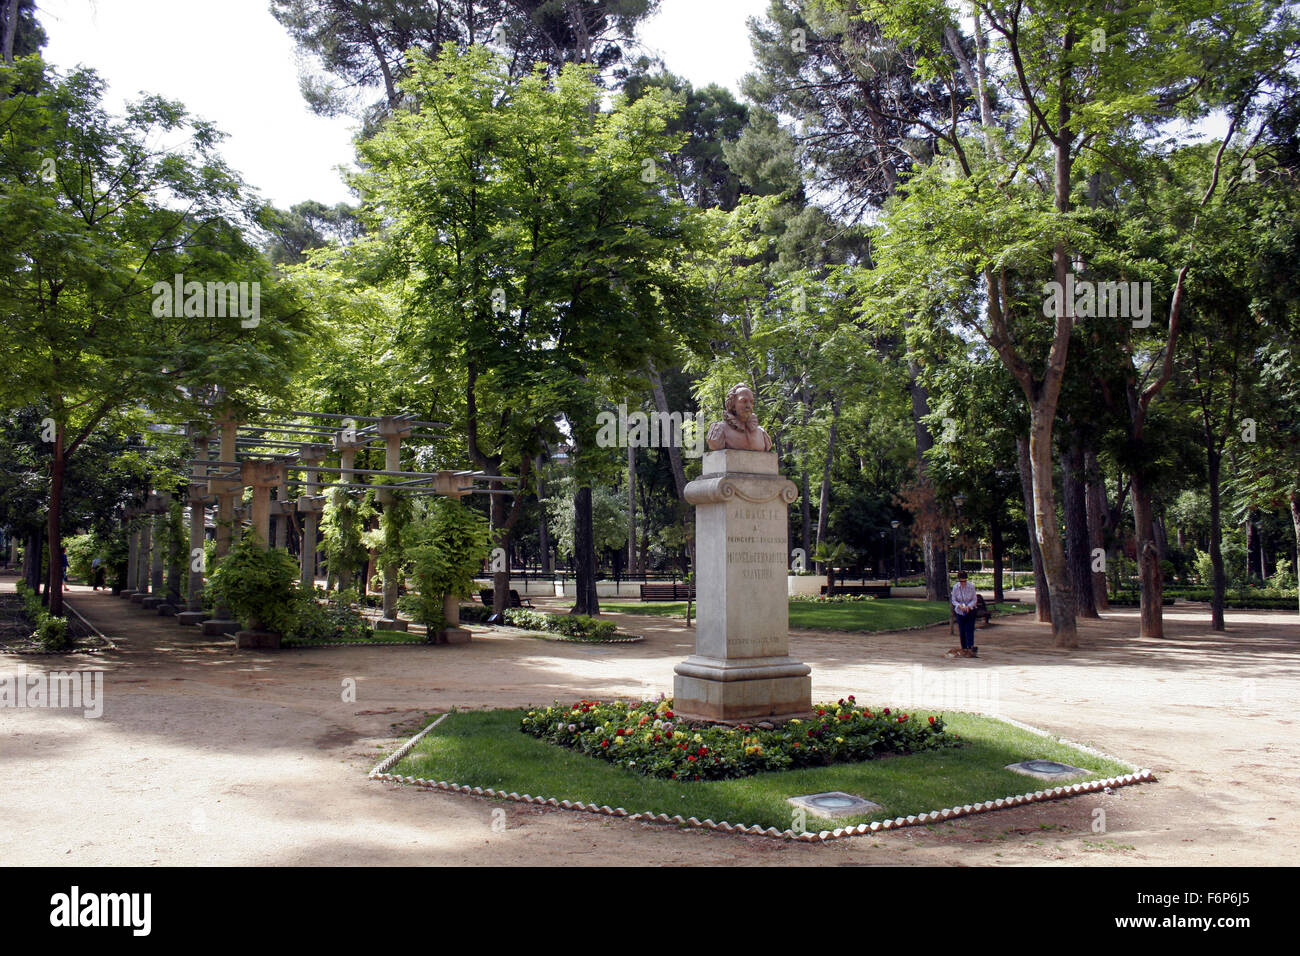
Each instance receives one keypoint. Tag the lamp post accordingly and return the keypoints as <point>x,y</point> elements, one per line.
<point>882,551</point>
<point>894,526</point>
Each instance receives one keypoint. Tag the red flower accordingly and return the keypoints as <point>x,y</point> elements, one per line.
<point>669,735</point>
<point>841,701</point>
<point>902,719</point>
<point>851,697</point>
<point>702,751</point>
<point>846,716</point>
<point>604,743</point>
<point>932,721</point>
<point>691,758</point>
<point>658,738</point>
<point>821,713</point>
<point>886,711</point>
<point>668,714</point>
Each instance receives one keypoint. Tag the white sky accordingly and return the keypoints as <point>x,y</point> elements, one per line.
<point>231,63</point>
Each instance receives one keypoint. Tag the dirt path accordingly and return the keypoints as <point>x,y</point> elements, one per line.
<point>206,756</point>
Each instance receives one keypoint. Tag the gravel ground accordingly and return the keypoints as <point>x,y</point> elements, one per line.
<point>208,756</point>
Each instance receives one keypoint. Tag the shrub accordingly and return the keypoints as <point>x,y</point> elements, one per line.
<point>334,619</point>
<point>444,550</point>
<point>578,626</point>
<point>82,549</point>
<point>51,632</point>
<point>475,613</point>
<point>259,585</point>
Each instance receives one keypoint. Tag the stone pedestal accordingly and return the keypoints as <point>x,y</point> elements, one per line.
<point>741,667</point>
<point>218,626</point>
<point>265,640</point>
<point>451,633</point>
<point>191,618</point>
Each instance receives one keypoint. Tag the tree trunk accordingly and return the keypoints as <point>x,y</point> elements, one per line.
<point>1251,538</point>
<point>1047,532</point>
<point>995,542</point>
<point>824,505</point>
<point>1295,523</point>
<point>1148,553</point>
<point>32,559</point>
<point>1214,461</point>
<point>934,552</point>
<point>1098,517</point>
<point>1078,552</point>
<point>584,555</point>
<point>543,535</point>
<point>57,469</point>
<point>631,509</point>
<point>501,578</point>
<point>674,453</point>
<point>1042,596</point>
<point>10,30</point>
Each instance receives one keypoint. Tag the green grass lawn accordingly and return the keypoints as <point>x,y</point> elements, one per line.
<point>487,749</point>
<point>888,614</point>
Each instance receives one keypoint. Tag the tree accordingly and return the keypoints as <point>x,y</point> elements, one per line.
<point>1076,81</point>
<point>536,247</point>
<point>102,227</point>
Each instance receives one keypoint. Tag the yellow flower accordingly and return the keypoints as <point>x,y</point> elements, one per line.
<point>699,739</point>
<point>839,740</point>
<point>618,741</point>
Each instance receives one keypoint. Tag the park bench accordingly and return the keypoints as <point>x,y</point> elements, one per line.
<point>981,610</point>
<point>667,592</point>
<point>488,594</point>
<point>874,590</point>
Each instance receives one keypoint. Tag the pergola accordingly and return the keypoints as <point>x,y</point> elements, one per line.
<point>281,454</point>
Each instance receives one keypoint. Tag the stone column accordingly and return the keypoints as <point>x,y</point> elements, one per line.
<point>310,505</point>
<point>741,668</point>
<point>194,613</point>
<point>143,551</point>
<point>448,483</point>
<point>226,490</point>
<point>346,444</point>
<point>393,431</point>
<point>261,476</point>
<point>157,509</point>
<point>281,510</point>
<point>132,550</point>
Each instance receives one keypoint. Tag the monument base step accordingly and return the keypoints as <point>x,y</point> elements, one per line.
<point>218,627</point>
<point>452,635</point>
<point>191,618</point>
<point>772,698</point>
<point>261,640</point>
<point>138,596</point>
<point>151,603</point>
<point>391,624</point>
<point>166,610</point>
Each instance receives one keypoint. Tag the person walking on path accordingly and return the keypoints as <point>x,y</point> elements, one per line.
<point>964,600</point>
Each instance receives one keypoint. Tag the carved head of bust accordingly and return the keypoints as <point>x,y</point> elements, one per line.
<point>740,428</point>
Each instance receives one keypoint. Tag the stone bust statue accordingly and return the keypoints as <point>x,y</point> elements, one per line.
<point>740,428</point>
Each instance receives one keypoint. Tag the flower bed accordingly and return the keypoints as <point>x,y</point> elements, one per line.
<point>649,739</point>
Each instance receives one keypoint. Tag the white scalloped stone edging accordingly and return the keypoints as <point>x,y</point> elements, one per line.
<point>380,772</point>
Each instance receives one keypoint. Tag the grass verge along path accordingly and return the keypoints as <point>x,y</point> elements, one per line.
<point>889,614</point>
<point>487,749</point>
